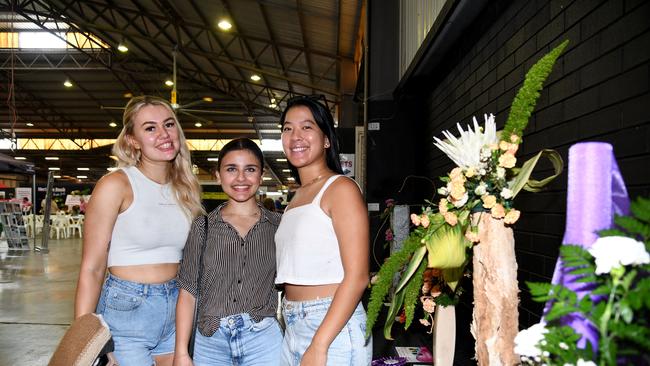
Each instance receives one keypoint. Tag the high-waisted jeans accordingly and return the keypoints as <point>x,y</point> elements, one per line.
<point>302,318</point>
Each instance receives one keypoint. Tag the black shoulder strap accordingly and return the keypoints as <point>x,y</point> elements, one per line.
<point>203,245</point>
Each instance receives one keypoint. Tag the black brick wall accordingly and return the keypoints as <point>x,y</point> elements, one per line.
<point>599,90</point>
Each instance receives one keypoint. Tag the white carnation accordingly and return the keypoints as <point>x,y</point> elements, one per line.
<point>615,251</point>
<point>582,362</point>
<point>501,172</point>
<point>461,201</point>
<point>481,189</point>
<point>443,191</point>
<point>527,341</point>
<point>506,193</point>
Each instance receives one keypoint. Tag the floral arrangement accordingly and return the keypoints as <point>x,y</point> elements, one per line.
<point>617,266</point>
<point>485,181</point>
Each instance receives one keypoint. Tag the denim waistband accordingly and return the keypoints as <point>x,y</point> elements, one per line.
<point>142,288</point>
<point>242,320</point>
<point>307,305</point>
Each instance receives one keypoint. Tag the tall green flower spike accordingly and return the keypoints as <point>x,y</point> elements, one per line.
<point>526,99</point>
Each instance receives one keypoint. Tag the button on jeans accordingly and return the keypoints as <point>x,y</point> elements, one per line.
<point>240,341</point>
<point>303,318</point>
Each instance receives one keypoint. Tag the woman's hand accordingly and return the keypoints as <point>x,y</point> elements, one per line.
<point>314,356</point>
<point>182,360</point>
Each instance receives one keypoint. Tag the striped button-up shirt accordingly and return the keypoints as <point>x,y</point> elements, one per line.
<point>238,273</point>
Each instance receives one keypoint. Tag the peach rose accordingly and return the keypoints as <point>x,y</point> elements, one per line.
<point>428,304</point>
<point>504,145</point>
<point>451,218</point>
<point>470,172</point>
<point>456,173</point>
<point>457,190</point>
<point>498,211</point>
<point>425,322</point>
<point>442,206</point>
<point>471,235</point>
<point>514,138</point>
<point>507,160</point>
<point>424,220</point>
<point>415,219</point>
<point>511,217</point>
<point>489,201</point>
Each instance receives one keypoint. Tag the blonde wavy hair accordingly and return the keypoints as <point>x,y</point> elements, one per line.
<point>184,183</point>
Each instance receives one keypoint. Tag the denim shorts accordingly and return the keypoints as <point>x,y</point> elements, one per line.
<point>141,318</point>
<point>240,341</point>
<point>302,319</point>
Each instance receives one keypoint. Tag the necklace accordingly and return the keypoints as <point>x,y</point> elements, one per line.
<point>312,181</point>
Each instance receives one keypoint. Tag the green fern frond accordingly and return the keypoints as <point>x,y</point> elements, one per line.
<point>641,209</point>
<point>387,272</point>
<point>412,292</point>
<point>526,99</point>
<point>633,226</point>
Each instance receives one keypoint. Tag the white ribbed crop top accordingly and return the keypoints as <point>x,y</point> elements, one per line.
<point>307,250</point>
<point>153,229</point>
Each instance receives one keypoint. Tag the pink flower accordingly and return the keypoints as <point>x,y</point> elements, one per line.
<point>425,322</point>
<point>456,174</point>
<point>507,160</point>
<point>415,219</point>
<point>451,218</point>
<point>442,206</point>
<point>498,211</point>
<point>457,190</point>
<point>389,235</point>
<point>428,304</point>
<point>471,235</point>
<point>390,202</point>
<point>514,138</point>
<point>424,220</point>
<point>511,217</point>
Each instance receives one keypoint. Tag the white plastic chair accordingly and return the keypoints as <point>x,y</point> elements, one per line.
<point>76,223</point>
<point>59,224</point>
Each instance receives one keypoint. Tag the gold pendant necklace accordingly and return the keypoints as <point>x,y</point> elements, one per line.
<point>312,181</point>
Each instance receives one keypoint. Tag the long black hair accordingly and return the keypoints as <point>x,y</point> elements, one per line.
<point>325,122</point>
<point>241,143</point>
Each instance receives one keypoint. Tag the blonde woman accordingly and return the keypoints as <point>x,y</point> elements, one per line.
<point>136,226</point>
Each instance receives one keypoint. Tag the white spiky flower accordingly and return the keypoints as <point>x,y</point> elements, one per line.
<point>465,150</point>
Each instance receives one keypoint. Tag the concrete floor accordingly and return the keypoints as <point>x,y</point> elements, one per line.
<point>36,300</point>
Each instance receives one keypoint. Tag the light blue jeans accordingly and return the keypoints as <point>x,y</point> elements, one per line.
<point>141,318</point>
<point>303,318</point>
<point>240,341</point>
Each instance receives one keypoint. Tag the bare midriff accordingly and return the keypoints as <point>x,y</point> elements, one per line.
<point>306,293</point>
<point>146,273</point>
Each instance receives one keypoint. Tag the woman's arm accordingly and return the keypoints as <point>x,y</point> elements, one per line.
<point>346,207</point>
<point>184,320</point>
<point>108,196</point>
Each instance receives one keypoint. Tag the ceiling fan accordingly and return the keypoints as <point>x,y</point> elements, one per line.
<point>187,108</point>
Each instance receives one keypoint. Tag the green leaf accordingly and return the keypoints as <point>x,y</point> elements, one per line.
<point>393,311</point>
<point>523,180</point>
<point>412,267</point>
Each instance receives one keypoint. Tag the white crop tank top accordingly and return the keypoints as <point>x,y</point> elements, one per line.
<point>153,229</point>
<point>307,250</point>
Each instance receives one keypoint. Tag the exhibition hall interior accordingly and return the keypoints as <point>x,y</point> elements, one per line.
<point>495,144</point>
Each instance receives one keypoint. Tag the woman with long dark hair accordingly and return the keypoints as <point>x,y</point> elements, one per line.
<point>322,246</point>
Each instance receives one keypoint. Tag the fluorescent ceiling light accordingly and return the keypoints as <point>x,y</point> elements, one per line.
<point>255,77</point>
<point>67,84</point>
<point>83,168</point>
<point>56,176</point>
<point>113,124</point>
<point>274,193</point>
<point>198,124</point>
<point>280,159</point>
<point>51,158</point>
<point>29,124</point>
<point>122,48</point>
<point>291,179</point>
<point>20,158</point>
<point>169,83</point>
<point>213,159</point>
<point>111,169</point>
<point>53,168</point>
<point>81,176</point>
<point>266,178</point>
<point>224,24</point>
<point>271,145</point>
<point>286,170</point>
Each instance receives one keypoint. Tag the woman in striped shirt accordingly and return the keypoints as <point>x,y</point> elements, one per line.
<point>237,297</point>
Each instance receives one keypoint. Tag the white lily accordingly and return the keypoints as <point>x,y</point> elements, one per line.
<point>465,151</point>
